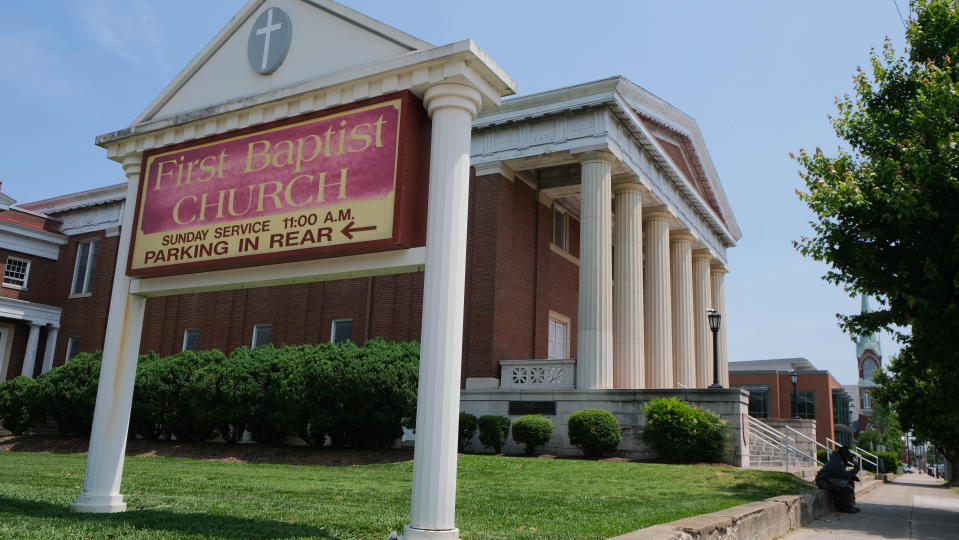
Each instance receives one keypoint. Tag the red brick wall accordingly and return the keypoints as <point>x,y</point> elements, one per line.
<point>557,282</point>
<point>40,275</point>
<point>780,394</point>
<point>85,316</point>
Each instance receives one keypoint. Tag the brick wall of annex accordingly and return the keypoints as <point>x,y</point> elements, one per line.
<point>40,274</point>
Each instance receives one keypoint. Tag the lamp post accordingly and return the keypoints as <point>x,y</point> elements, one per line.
<point>794,377</point>
<point>714,320</point>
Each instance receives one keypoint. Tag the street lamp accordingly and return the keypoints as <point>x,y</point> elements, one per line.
<point>794,377</point>
<point>714,319</point>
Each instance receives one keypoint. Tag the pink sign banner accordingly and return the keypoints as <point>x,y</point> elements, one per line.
<point>333,160</point>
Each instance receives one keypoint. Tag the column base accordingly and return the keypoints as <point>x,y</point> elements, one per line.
<point>411,533</point>
<point>98,504</point>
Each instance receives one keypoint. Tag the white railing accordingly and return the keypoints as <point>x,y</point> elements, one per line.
<point>537,373</point>
<point>781,441</point>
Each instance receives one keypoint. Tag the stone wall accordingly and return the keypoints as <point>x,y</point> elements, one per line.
<point>625,405</point>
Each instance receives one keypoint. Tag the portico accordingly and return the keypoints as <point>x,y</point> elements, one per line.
<point>654,227</point>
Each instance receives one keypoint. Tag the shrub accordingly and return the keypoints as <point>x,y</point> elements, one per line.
<point>162,393</point>
<point>822,455</point>
<point>493,430</point>
<point>69,393</point>
<point>682,433</point>
<point>467,428</point>
<point>889,462</point>
<point>532,430</point>
<point>20,404</point>
<point>594,431</point>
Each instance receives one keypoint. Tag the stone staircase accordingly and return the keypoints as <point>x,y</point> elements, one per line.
<point>763,455</point>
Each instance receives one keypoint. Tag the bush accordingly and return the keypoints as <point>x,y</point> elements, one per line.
<point>493,430</point>
<point>20,404</point>
<point>822,455</point>
<point>594,431</point>
<point>532,430</point>
<point>162,396</point>
<point>69,393</point>
<point>467,428</point>
<point>889,462</point>
<point>682,433</point>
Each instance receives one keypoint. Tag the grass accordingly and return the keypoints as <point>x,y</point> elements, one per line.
<point>497,498</point>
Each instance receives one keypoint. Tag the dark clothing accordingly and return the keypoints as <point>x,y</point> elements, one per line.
<point>834,478</point>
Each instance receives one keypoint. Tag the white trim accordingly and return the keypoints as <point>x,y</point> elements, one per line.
<point>565,321</point>
<point>31,241</point>
<point>372,264</point>
<point>73,201</point>
<point>563,253</point>
<point>42,314</point>
<point>26,273</point>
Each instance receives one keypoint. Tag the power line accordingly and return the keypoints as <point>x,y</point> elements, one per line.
<point>904,25</point>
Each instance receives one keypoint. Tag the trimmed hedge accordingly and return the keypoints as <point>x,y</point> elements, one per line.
<point>20,404</point>
<point>532,430</point>
<point>493,430</point>
<point>594,431</point>
<point>682,433</point>
<point>888,460</point>
<point>341,393</point>
<point>467,428</point>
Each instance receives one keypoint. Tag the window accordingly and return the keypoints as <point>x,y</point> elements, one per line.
<point>803,403</point>
<point>342,330</point>
<point>262,334</point>
<point>191,339</point>
<point>840,411</point>
<point>559,228</point>
<point>73,347</point>
<point>558,337</point>
<point>15,273</point>
<point>83,271</point>
<point>868,368</point>
<point>758,400</point>
<point>866,401</point>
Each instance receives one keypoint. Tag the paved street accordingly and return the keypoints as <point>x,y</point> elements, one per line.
<point>911,506</point>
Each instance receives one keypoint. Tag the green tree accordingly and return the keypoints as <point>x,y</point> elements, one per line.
<point>885,431</point>
<point>887,216</point>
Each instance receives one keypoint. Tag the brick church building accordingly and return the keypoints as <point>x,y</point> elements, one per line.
<point>597,238</point>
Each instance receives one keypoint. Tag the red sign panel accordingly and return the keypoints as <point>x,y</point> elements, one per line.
<point>341,181</point>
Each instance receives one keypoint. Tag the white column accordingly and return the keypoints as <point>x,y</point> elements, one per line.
<point>50,349</point>
<point>628,369</point>
<point>111,418</point>
<point>717,277</point>
<point>452,108</point>
<point>702,302</point>
<point>30,357</point>
<point>681,293</point>
<point>657,313</point>
<point>594,343</point>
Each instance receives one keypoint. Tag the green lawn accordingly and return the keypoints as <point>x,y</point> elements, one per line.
<point>498,497</point>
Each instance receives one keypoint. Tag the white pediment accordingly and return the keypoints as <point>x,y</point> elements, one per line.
<point>326,37</point>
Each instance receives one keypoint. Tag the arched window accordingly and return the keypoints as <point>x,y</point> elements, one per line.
<point>869,366</point>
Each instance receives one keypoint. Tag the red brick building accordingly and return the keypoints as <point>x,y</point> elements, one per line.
<point>817,395</point>
<point>522,299</point>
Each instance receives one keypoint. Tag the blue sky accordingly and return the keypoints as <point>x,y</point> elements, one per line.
<point>759,77</point>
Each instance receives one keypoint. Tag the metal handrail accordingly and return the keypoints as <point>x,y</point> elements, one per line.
<point>796,448</point>
<point>810,439</point>
<point>780,438</point>
<point>859,452</point>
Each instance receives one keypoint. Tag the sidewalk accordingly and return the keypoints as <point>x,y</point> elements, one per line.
<point>911,506</point>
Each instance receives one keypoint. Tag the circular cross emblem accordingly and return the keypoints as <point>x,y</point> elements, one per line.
<point>269,40</point>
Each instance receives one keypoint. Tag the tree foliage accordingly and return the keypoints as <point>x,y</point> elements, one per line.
<point>887,214</point>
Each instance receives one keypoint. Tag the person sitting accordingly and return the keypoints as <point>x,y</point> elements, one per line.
<point>834,478</point>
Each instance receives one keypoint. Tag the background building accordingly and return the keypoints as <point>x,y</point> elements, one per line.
<point>868,359</point>
<point>817,395</point>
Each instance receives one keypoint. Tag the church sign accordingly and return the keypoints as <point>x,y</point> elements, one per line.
<point>337,182</point>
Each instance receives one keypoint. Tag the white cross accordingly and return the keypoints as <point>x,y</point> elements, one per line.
<point>266,31</point>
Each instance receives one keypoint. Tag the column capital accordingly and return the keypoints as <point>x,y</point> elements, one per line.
<point>702,254</point>
<point>681,235</point>
<point>604,156</point>
<point>629,187</point>
<point>494,167</point>
<point>656,213</point>
<point>718,268</point>
<point>131,165</point>
<point>453,95</point>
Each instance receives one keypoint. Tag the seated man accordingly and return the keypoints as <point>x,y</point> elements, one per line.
<point>834,478</point>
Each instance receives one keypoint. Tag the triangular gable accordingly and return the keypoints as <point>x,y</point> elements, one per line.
<point>327,37</point>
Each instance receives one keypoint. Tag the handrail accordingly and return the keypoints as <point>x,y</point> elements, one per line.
<point>859,452</point>
<point>814,441</point>
<point>780,439</point>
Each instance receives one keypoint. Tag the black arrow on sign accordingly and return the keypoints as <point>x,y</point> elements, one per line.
<point>350,229</point>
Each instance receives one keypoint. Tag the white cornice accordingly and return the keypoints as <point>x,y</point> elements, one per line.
<point>26,239</point>
<point>43,314</point>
